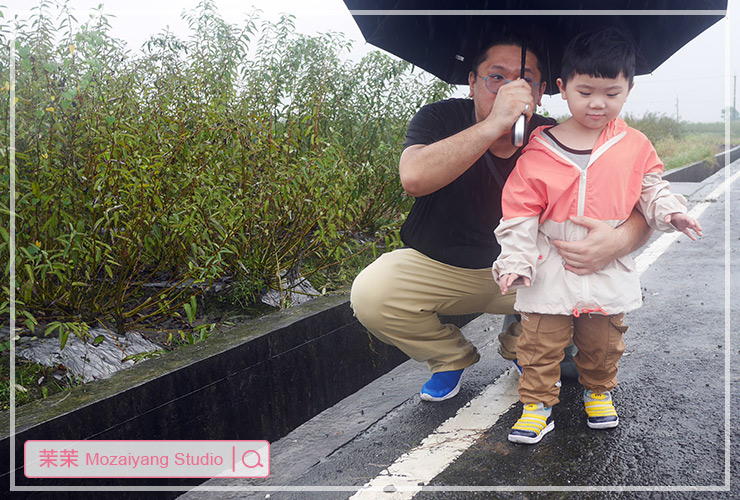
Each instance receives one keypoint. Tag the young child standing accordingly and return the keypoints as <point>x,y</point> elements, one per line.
<point>590,165</point>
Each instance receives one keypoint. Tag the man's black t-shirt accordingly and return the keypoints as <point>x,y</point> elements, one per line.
<point>455,224</point>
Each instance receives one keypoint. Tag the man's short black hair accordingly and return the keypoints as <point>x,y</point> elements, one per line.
<point>603,53</point>
<point>533,46</point>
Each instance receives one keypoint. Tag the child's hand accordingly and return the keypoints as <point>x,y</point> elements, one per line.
<point>683,223</point>
<point>506,280</point>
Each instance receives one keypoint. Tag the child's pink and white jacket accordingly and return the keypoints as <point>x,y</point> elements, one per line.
<point>546,188</point>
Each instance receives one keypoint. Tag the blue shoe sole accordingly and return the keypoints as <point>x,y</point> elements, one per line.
<point>451,394</point>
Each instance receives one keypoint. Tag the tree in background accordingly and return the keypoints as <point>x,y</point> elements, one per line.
<point>734,115</point>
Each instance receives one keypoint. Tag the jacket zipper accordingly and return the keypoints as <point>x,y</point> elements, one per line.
<point>586,280</point>
<point>585,286</point>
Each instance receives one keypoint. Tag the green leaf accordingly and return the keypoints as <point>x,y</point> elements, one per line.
<point>52,327</point>
<point>29,271</point>
<point>63,336</point>
<point>31,325</point>
<point>190,310</point>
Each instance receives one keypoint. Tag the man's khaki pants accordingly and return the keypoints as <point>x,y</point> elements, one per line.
<point>540,351</point>
<point>397,298</point>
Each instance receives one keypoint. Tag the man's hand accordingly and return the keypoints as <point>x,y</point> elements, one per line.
<point>601,246</point>
<point>512,100</point>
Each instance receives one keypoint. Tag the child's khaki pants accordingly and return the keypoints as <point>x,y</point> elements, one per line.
<point>398,297</point>
<point>540,351</point>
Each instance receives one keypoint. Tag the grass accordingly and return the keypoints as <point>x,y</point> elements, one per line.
<point>677,153</point>
<point>32,380</point>
<point>696,142</point>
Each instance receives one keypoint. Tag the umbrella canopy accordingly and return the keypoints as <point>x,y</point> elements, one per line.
<point>444,37</point>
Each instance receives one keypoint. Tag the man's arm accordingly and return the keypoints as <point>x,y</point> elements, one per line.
<point>425,169</point>
<point>603,244</point>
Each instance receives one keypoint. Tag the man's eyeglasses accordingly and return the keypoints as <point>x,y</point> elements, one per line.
<point>495,81</point>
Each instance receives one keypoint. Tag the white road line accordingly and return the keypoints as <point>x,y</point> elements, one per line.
<point>406,476</point>
<point>656,249</point>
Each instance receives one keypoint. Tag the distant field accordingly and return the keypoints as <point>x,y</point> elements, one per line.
<point>682,143</point>
<point>696,142</point>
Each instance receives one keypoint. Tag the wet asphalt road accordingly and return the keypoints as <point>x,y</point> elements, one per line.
<point>671,400</point>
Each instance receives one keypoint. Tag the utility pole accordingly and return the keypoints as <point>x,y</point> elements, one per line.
<point>734,95</point>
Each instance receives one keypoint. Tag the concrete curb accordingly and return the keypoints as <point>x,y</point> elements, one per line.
<point>259,380</point>
<point>697,172</point>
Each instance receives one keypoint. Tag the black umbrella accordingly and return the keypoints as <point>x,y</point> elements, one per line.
<point>443,37</point>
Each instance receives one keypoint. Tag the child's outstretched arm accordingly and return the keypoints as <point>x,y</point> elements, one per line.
<point>684,223</point>
<point>507,280</point>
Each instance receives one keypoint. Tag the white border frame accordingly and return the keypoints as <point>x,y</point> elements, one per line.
<point>727,373</point>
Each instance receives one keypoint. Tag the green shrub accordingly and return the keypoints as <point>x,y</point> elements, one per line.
<point>655,126</point>
<point>193,161</point>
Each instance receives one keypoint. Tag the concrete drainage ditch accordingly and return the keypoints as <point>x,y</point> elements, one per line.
<point>258,381</point>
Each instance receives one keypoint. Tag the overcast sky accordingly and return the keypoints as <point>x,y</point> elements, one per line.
<point>693,80</point>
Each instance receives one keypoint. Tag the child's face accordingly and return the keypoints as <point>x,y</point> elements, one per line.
<point>593,101</point>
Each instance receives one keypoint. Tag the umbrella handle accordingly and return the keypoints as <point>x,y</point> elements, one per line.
<point>518,130</point>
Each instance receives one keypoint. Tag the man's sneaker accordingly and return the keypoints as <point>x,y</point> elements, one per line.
<point>600,410</point>
<point>519,369</point>
<point>568,368</point>
<point>442,385</point>
<point>535,422</point>
<point>517,365</point>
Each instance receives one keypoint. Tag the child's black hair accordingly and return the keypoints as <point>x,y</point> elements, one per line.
<point>603,53</point>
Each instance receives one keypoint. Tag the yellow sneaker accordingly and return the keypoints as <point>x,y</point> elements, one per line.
<point>600,410</point>
<point>535,422</point>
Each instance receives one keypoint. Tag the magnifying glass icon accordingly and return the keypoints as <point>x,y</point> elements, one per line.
<point>244,459</point>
